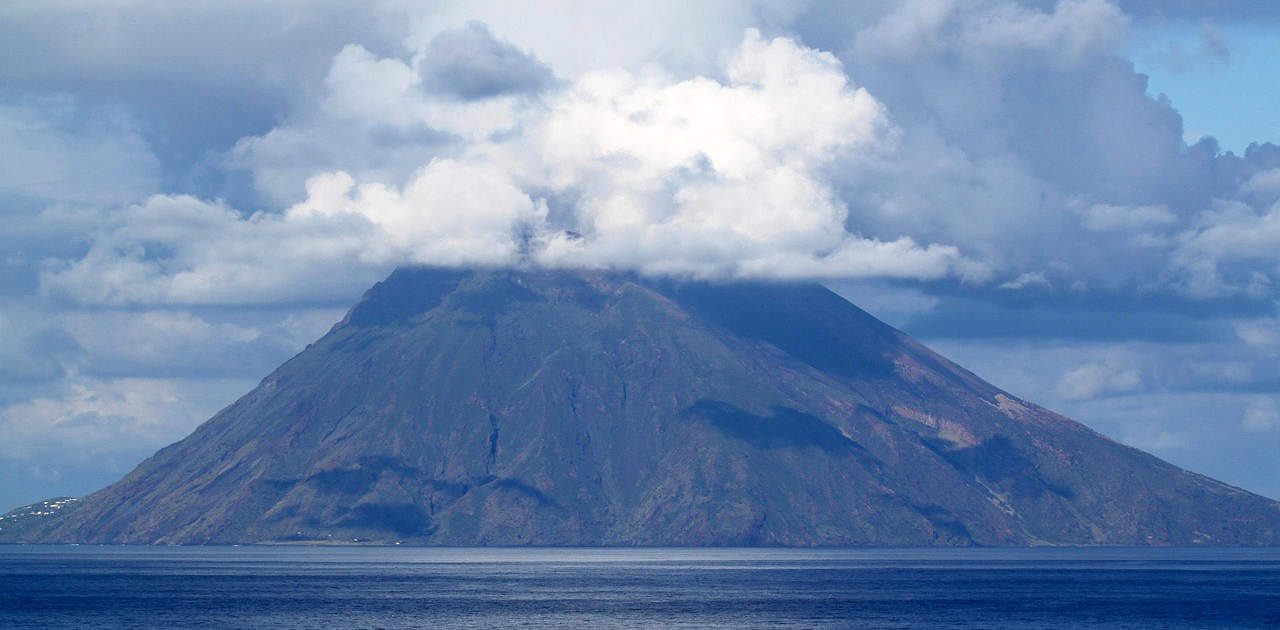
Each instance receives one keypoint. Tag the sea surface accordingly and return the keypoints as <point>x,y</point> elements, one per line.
<point>401,587</point>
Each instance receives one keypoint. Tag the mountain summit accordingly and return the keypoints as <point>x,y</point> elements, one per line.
<point>507,407</point>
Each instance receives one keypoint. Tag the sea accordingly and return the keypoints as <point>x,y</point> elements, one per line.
<point>358,587</point>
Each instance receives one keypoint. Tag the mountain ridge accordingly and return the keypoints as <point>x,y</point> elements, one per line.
<point>482,407</point>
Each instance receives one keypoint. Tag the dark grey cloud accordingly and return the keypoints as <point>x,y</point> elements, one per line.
<point>62,149</point>
<point>199,343</point>
<point>471,63</point>
<point>32,356</point>
<point>194,76</point>
<point>390,136</point>
<point>974,317</point>
<point>1047,157</point>
<point>84,433</point>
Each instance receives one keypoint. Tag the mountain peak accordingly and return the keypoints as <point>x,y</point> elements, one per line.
<point>606,408</point>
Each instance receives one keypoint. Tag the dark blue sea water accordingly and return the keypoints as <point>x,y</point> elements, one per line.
<point>393,587</point>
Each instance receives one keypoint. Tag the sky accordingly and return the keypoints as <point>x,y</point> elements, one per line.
<point>1077,200</point>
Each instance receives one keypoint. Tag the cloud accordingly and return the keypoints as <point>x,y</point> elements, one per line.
<point>1213,43</point>
<point>1046,160</point>
<point>58,150</point>
<point>1011,115</point>
<point>1031,278</point>
<point>1234,231</point>
<point>581,36</point>
<point>1095,379</point>
<point>722,178</point>
<point>1184,52</point>
<point>239,44</point>
<point>995,170</point>
<point>1103,217</point>
<point>31,350</point>
<point>1197,10</point>
<point>89,421</point>
<point>1020,119</point>
<point>180,250</point>
<point>131,344</point>
<point>197,75</point>
<point>618,169</point>
<point>375,120</point>
<point>1261,333</point>
<point>994,33</point>
<point>471,63</point>
<point>86,394</point>
<point>1157,439</point>
<point>452,213</point>
<point>1047,165</point>
<point>1261,415</point>
<point>1231,250</point>
<point>1016,115</point>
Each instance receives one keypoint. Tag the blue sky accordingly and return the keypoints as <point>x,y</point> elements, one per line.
<point>1221,76</point>
<point>1077,200</point>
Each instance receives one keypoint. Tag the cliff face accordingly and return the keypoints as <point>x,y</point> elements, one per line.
<point>577,408</point>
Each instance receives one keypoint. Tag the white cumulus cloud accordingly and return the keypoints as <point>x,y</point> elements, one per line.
<point>635,170</point>
<point>1260,415</point>
<point>1091,380</point>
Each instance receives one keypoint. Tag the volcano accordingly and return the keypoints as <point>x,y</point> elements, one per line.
<point>538,407</point>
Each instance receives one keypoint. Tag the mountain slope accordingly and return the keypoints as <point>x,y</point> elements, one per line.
<point>579,408</point>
